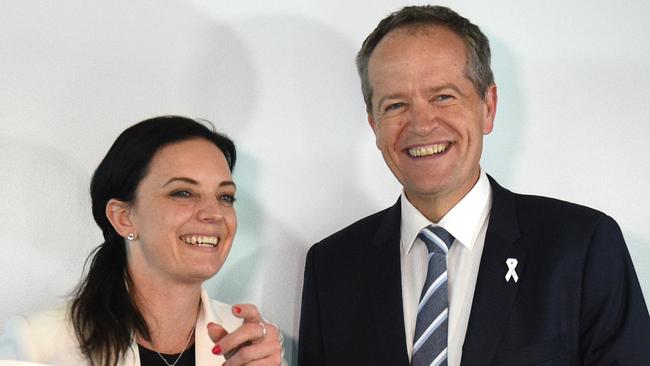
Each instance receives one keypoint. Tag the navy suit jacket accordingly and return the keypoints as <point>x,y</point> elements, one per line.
<point>577,301</point>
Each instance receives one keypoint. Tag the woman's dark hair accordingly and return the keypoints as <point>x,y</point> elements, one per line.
<point>103,312</point>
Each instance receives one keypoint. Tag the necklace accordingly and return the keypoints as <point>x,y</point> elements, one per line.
<point>184,348</point>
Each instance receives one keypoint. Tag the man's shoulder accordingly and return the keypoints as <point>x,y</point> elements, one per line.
<point>562,219</point>
<point>540,214</point>
<point>541,206</point>
<point>548,208</point>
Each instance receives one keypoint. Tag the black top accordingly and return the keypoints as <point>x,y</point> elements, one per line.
<point>151,358</point>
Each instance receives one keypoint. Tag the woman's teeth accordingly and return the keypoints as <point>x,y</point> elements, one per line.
<point>427,150</point>
<point>201,241</point>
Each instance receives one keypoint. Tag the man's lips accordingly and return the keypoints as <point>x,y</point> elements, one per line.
<point>428,150</point>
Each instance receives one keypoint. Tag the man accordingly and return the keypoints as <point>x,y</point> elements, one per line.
<point>461,271</point>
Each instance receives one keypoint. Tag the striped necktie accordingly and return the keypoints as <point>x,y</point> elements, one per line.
<point>430,347</point>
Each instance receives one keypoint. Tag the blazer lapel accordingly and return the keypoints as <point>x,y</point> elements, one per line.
<point>384,284</point>
<point>208,313</point>
<point>494,296</point>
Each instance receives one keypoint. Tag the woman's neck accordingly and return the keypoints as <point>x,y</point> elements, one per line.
<point>170,311</point>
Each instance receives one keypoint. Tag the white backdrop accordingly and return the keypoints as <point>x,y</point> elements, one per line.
<point>279,78</point>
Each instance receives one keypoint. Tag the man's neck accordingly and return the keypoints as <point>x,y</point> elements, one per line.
<point>436,205</point>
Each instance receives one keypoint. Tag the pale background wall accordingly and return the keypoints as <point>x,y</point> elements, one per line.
<point>572,122</point>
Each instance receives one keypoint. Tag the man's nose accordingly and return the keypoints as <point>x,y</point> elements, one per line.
<point>423,118</point>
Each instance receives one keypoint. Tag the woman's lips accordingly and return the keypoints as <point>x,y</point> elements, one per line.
<point>201,240</point>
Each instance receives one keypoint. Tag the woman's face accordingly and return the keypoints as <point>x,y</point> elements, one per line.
<point>183,214</point>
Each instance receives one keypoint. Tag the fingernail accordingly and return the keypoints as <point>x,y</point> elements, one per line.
<point>216,350</point>
<point>237,310</point>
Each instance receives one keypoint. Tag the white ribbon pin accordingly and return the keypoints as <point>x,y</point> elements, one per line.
<point>512,264</point>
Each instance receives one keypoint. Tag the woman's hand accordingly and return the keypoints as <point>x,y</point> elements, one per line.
<point>256,342</point>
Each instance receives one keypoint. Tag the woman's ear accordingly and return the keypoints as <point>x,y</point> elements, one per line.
<point>118,213</point>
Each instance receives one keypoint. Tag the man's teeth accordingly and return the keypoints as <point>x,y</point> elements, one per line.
<point>201,241</point>
<point>427,150</point>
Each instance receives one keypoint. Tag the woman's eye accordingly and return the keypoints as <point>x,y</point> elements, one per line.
<point>181,194</point>
<point>228,198</point>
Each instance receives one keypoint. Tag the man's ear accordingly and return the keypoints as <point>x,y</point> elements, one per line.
<point>371,121</point>
<point>490,101</point>
<point>373,125</point>
<point>119,214</point>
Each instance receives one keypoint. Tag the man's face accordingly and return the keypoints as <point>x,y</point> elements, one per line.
<point>427,116</point>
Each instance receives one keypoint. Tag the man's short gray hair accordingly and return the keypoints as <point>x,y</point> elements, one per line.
<point>478,68</point>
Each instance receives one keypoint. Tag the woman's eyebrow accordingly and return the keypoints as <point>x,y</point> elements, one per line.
<point>181,179</point>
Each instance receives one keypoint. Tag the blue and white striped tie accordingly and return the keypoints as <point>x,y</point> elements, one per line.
<point>430,347</point>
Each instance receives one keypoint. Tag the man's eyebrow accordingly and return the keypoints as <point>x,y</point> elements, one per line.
<point>439,88</point>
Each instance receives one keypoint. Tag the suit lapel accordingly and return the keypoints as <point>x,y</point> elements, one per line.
<point>384,283</point>
<point>493,296</point>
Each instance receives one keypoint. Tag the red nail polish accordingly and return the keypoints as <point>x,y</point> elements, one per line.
<point>216,350</point>
<point>237,310</point>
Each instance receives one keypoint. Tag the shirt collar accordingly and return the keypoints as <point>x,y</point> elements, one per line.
<point>463,221</point>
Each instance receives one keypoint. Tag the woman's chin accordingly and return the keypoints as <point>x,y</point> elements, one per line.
<point>204,272</point>
<point>202,264</point>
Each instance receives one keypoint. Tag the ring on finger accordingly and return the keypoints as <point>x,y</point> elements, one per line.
<point>263,330</point>
<point>280,338</point>
<point>277,328</point>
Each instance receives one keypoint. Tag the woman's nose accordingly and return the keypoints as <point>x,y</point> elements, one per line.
<point>210,210</point>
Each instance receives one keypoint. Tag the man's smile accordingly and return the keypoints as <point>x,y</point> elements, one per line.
<point>428,150</point>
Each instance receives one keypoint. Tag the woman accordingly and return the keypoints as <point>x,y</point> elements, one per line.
<point>163,197</point>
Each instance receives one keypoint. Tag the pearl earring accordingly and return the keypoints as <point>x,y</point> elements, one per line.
<point>131,236</point>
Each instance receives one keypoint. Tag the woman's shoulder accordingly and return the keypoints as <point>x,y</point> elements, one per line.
<point>44,321</point>
<point>36,337</point>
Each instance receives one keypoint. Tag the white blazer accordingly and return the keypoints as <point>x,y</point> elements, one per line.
<point>48,337</point>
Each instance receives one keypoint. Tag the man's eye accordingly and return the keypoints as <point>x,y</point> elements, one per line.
<point>228,198</point>
<point>443,97</point>
<point>394,106</point>
<point>181,194</point>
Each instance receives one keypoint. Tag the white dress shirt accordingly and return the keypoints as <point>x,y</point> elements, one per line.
<point>467,221</point>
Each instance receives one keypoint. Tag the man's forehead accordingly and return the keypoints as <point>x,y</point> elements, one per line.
<point>442,40</point>
<point>412,53</point>
<point>417,30</point>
